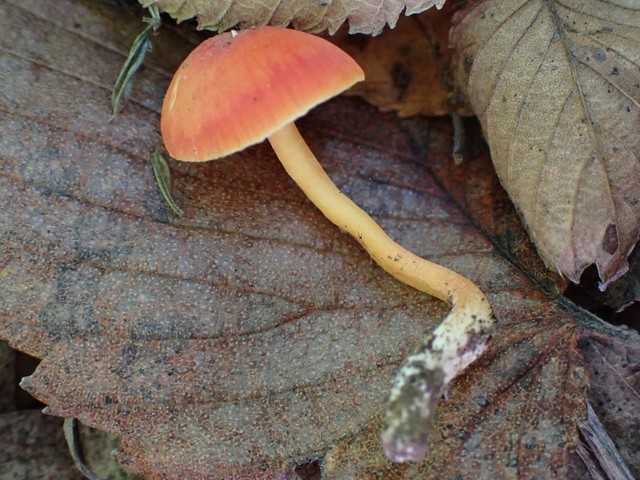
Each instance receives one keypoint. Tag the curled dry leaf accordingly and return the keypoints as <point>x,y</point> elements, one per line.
<point>368,17</point>
<point>248,335</point>
<point>555,85</point>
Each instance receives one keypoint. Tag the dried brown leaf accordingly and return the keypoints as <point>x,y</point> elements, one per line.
<point>368,17</point>
<point>407,68</point>
<point>555,85</point>
<point>249,335</point>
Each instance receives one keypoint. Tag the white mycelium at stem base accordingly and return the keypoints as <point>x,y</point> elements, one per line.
<point>235,90</point>
<point>453,345</point>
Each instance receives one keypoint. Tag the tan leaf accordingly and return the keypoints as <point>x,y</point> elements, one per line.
<point>248,336</point>
<point>368,17</point>
<point>555,85</point>
<point>406,68</point>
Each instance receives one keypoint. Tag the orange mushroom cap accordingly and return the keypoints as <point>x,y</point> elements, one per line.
<point>236,89</point>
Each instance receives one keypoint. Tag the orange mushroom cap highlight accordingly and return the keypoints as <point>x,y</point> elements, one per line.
<point>237,88</point>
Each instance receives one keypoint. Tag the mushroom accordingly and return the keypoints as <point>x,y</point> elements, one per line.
<point>238,88</point>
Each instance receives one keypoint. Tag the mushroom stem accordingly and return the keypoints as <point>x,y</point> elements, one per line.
<point>450,348</point>
<point>303,167</point>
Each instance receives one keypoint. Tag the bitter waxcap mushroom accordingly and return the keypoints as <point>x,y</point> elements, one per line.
<point>238,88</point>
<point>235,90</point>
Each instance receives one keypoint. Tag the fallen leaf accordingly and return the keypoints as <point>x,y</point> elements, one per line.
<point>407,67</point>
<point>309,15</point>
<point>249,336</point>
<point>555,85</point>
<point>475,187</point>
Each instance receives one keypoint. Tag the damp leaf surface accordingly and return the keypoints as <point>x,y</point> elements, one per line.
<point>249,336</point>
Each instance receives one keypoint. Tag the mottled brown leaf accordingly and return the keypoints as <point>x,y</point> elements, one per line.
<point>555,85</point>
<point>368,17</point>
<point>249,335</point>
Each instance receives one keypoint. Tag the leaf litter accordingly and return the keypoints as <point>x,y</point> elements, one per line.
<point>205,341</point>
<point>406,68</point>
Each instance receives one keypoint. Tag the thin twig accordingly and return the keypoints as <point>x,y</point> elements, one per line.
<point>72,436</point>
